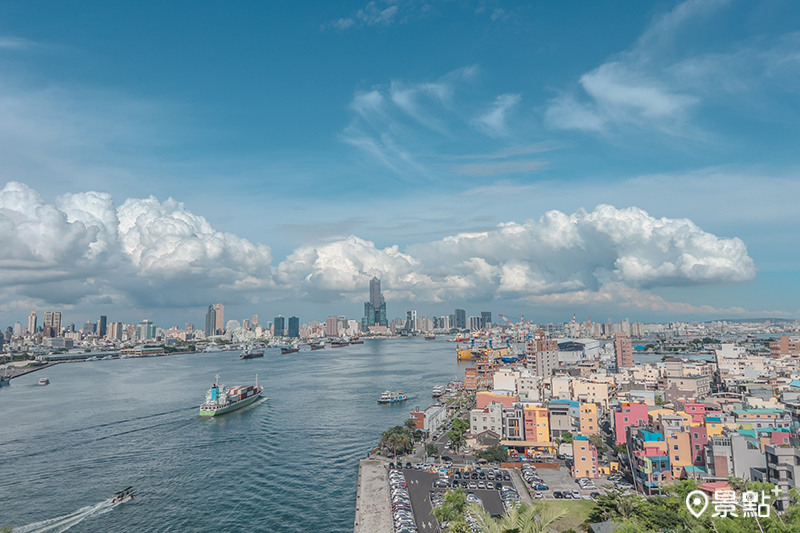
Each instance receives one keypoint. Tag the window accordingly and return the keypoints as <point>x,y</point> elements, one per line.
<point>625,419</point>
<point>675,447</point>
<point>583,459</point>
<point>676,458</point>
<point>697,435</point>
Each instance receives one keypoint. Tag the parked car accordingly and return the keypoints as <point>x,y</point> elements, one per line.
<point>557,494</point>
<point>576,495</point>
<point>538,495</point>
<point>543,487</point>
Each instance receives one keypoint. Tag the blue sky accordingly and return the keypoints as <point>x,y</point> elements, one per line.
<point>328,133</point>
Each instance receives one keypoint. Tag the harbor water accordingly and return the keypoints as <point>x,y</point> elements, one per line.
<point>287,464</point>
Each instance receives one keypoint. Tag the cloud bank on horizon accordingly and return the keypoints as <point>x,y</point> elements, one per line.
<point>147,253</point>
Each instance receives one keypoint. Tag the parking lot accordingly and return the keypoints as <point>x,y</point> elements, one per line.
<point>560,479</point>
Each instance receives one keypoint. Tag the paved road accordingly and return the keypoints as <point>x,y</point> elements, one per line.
<point>419,489</point>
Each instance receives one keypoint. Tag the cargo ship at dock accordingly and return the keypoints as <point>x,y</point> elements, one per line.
<point>252,352</point>
<point>221,400</point>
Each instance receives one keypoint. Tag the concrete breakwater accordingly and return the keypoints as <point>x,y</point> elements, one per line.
<point>373,508</point>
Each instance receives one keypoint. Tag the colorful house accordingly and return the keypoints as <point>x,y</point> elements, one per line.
<point>650,463</point>
<point>627,415</point>
<point>585,458</point>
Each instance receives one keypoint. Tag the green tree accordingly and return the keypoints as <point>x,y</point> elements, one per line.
<point>517,519</point>
<point>566,437</point>
<point>431,450</point>
<point>398,440</point>
<point>494,454</point>
<point>598,442</point>
<point>456,433</point>
<point>410,423</point>
<point>621,449</point>
<point>453,505</point>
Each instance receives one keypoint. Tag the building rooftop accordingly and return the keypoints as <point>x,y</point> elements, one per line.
<point>765,411</point>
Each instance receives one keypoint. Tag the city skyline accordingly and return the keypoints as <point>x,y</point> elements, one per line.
<point>644,174</point>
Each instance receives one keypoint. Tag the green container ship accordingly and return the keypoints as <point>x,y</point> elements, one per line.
<point>221,400</point>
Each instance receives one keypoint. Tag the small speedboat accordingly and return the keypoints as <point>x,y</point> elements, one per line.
<point>44,381</point>
<point>121,496</point>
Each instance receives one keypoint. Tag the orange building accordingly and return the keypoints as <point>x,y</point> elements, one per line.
<point>589,426</point>
<point>679,449</point>
<point>483,398</point>
<point>537,425</point>
<point>784,347</point>
<point>585,457</point>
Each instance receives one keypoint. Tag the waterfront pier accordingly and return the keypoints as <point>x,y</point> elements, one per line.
<point>373,510</point>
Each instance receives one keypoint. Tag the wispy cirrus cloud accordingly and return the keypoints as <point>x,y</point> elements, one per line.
<point>380,13</point>
<point>661,85</point>
<point>400,126</point>
<point>15,43</point>
<point>493,122</point>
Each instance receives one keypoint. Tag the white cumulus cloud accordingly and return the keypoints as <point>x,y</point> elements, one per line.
<point>159,254</point>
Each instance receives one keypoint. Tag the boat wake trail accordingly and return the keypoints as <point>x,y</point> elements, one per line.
<point>63,523</point>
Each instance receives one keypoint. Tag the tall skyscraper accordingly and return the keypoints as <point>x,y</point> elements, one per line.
<point>542,354</point>
<point>53,320</point>
<point>331,327</point>
<point>254,320</point>
<point>219,309</point>
<point>624,351</point>
<point>411,321</point>
<point>486,319</point>
<point>279,323</point>
<point>211,321</point>
<point>147,330</point>
<point>461,319</point>
<point>101,326</point>
<point>375,308</point>
<point>294,327</point>
<point>32,323</point>
<point>115,330</point>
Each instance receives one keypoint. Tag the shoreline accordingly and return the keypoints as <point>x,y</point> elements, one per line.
<point>17,371</point>
<point>373,511</point>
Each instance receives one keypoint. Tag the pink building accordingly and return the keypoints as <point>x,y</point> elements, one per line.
<point>697,411</point>
<point>628,414</point>
<point>698,438</point>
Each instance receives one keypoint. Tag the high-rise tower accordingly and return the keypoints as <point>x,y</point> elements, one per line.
<point>375,308</point>
<point>211,321</point>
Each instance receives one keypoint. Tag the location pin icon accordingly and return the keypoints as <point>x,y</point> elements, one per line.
<point>697,502</point>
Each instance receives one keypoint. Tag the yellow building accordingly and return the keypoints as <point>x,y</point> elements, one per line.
<point>589,425</point>
<point>537,425</point>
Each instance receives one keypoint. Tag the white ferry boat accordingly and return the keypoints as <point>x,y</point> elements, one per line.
<point>392,397</point>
